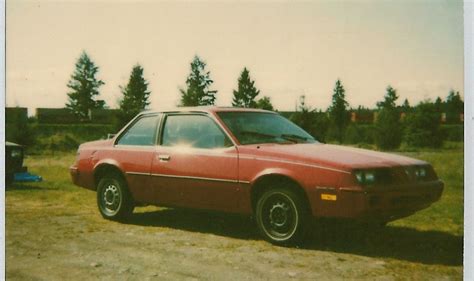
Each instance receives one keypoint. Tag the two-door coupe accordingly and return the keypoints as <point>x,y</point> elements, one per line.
<point>251,162</point>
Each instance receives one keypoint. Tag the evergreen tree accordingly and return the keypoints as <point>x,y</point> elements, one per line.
<point>439,105</point>
<point>406,106</point>
<point>84,87</point>
<point>246,91</point>
<point>388,126</point>
<point>454,106</point>
<point>423,126</point>
<point>265,103</point>
<point>198,84</point>
<point>135,95</point>
<point>338,114</point>
<point>389,99</point>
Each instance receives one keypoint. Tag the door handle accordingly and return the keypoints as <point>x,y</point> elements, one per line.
<point>164,157</point>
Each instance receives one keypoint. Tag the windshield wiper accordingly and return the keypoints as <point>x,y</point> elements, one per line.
<point>293,138</point>
<point>258,134</point>
<point>273,138</point>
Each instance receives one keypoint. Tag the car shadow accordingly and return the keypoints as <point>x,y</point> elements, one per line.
<point>402,243</point>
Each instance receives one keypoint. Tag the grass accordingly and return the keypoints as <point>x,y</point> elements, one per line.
<point>430,240</point>
<point>445,215</point>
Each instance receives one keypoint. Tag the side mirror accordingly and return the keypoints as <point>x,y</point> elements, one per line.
<point>109,136</point>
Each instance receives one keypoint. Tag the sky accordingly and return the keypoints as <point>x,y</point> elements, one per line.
<point>291,48</point>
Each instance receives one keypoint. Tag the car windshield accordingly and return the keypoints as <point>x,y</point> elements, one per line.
<point>262,127</point>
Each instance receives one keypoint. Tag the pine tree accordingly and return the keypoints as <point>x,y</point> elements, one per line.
<point>246,92</point>
<point>135,95</point>
<point>85,87</point>
<point>198,83</point>
<point>265,103</point>
<point>454,106</point>
<point>438,105</point>
<point>389,99</point>
<point>388,125</point>
<point>406,106</point>
<point>338,113</point>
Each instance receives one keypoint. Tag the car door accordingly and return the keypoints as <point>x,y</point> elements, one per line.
<point>196,164</point>
<point>134,150</point>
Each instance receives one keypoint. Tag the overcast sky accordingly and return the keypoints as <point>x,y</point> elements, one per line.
<point>290,48</point>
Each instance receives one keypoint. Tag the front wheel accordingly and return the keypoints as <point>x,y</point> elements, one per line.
<point>281,216</point>
<point>113,198</point>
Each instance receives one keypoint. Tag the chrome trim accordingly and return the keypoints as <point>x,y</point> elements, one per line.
<point>244,182</point>
<point>351,189</point>
<point>295,163</point>
<point>196,151</point>
<point>194,178</point>
<point>325,188</point>
<point>137,173</point>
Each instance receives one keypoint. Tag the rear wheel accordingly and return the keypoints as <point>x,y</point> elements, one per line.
<point>113,198</point>
<point>281,216</point>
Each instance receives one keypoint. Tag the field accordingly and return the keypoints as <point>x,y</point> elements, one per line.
<point>54,232</point>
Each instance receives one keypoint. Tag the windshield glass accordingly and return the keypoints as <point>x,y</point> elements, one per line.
<point>261,127</point>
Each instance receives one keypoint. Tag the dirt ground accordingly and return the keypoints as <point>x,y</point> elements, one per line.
<point>168,244</point>
<point>54,232</point>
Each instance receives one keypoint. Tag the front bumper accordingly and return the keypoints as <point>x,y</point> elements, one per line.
<point>74,172</point>
<point>379,203</point>
<point>81,177</point>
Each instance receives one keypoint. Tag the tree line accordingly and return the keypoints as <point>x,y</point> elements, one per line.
<point>84,89</point>
<point>419,128</point>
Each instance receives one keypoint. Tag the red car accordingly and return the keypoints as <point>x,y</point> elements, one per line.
<point>251,162</point>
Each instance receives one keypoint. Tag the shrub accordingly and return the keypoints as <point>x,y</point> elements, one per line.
<point>388,129</point>
<point>452,132</point>
<point>422,128</point>
<point>359,133</point>
<point>313,122</point>
<point>56,116</point>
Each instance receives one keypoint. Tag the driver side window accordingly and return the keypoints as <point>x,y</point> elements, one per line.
<point>193,131</point>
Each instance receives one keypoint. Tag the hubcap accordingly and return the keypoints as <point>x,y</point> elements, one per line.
<point>279,216</point>
<point>111,198</point>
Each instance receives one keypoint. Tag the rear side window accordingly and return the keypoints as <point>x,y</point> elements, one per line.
<point>142,132</point>
<point>193,131</point>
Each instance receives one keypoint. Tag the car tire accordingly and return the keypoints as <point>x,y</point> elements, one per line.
<point>113,198</point>
<point>281,216</point>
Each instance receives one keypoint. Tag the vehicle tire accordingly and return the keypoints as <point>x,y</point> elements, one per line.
<point>113,198</point>
<point>281,216</point>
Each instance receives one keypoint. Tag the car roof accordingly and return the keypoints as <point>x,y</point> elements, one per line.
<point>207,109</point>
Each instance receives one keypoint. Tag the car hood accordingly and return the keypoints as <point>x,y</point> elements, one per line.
<point>336,156</point>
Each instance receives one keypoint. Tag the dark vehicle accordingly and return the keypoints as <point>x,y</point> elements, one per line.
<point>13,161</point>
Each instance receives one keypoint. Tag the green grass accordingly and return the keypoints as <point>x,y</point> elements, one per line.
<point>428,241</point>
<point>447,214</point>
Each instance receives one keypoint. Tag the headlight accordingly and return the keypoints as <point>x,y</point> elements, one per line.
<point>420,173</point>
<point>417,173</point>
<point>369,177</point>
<point>365,177</point>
